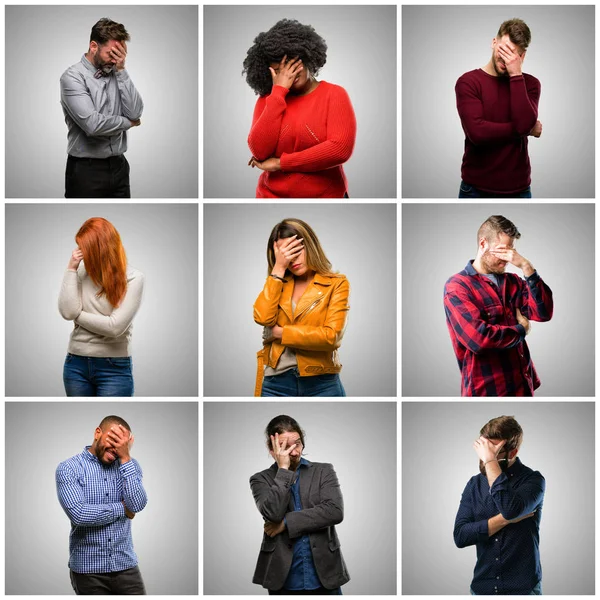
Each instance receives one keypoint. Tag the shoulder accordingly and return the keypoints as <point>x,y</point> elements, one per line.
<point>136,464</point>
<point>266,474</point>
<point>135,275</point>
<point>469,78</point>
<point>334,90</point>
<point>457,282</point>
<point>69,467</point>
<point>531,81</point>
<point>73,73</point>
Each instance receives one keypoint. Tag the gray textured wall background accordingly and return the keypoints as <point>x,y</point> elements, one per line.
<point>438,460</point>
<point>359,240</point>
<point>440,43</point>
<point>358,438</point>
<point>40,435</point>
<point>161,240</point>
<point>43,41</point>
<point>438,241</point>
<point>361,57</point>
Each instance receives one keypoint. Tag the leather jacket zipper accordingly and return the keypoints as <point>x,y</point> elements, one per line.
<point>296,317</point>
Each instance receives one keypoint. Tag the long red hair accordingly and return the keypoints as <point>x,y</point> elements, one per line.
<point>104,258</point>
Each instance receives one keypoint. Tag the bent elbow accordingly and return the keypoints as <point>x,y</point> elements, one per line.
<point>68,314</point>
<point>337,515</point>
<point>257,152</point>
<point>459,540</point>
<point>264,320</point>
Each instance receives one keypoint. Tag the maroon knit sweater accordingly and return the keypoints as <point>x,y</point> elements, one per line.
<point>312,135</point>
<point>497,114</point>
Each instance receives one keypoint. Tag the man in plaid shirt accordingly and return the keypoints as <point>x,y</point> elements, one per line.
<point>101,491</point>
<point>488,313</point>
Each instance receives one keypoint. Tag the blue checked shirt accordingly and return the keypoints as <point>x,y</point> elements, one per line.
<point>508,562</point>
<point>302,575</point>
<point>91,494</point>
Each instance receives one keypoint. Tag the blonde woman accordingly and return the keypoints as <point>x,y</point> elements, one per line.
<point>303,309</point>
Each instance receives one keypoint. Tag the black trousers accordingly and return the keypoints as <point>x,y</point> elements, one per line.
<point>127,583</point>
<point>321,591</point>
<point>97,177</point>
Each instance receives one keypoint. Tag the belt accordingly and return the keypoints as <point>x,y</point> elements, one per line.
<point>117,157</point>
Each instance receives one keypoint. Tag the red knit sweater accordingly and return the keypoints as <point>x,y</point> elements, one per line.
<point>497,114</point>
<point>312,135</point>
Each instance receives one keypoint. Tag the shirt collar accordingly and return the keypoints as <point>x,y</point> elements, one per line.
<point>470,269</point>
<point>88,65</point>
<point>304,463</point>
<point>516,467</point>
<point>88,455</point>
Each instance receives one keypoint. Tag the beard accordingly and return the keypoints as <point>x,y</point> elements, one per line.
<point>106,67</point>
<point>499,72</point>
<point>294,463</point>
<point>102,452</point>
<point>491,265</point>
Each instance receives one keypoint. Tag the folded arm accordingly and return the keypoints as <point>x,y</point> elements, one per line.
<point>327,336</point>
<point>468,531</point>
<point>536,299</point>
<point>134,494</point>
<point>80,513</point>
<point>77,102</point>
<point>118,321</point>
<point>69,299</point>
<point>133,105</point>
<point>330,511</point>
<point>336,149</point>
<point>523,104</point>
<point>476,128</point>
<point>516,503</point>
<point>266,123</point>
<point>272,499</point>
<point>475,334</point>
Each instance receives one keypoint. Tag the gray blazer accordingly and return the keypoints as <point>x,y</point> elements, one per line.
<point>323,508</point>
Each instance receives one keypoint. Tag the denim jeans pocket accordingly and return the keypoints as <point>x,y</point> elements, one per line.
<point>465,188</point>
<point>120,363</point>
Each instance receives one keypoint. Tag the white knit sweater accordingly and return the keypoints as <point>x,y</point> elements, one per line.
<point>100,329</point>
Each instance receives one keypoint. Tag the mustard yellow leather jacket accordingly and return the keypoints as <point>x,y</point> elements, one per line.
<point>314,331</point>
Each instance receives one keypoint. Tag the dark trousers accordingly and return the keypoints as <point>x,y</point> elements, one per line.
<point>97,177</point>
<point>318,592</point>
<point>467,190</point>
<point>127,583</point>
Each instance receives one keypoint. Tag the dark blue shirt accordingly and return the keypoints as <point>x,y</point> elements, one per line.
<point>302,575</point>
<point>508,562</point>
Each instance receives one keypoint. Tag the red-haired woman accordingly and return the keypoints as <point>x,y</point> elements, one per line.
<point>101,293</point>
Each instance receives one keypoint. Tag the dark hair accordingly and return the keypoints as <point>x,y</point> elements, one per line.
<point>283,424</point>
<point>504,428</point>
<point>105,30</point>
<point>495,225</point>
<point>287,37</point>
<point>113,419</point>
<point>517,31</point>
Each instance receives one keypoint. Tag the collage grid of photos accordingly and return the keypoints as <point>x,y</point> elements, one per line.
<point>389,203</point>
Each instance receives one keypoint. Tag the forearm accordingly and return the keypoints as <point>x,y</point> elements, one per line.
<point>94,515</point>
<point>272,500</point>
<point>133,105</point>
<point>495,524</point>
<point>266,307</point>
<point>105,325</point>
<point>320,157</point>
<point>69,299</point>
<point>312,338</point>
<point>523,112</point>
<point>492,471</point>
<point>513,504</point>
<point>468,533</point>
<point>266,125</point>
<point>326,514</point>
<point>134,494</point>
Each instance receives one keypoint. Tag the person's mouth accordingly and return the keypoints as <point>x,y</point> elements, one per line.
<point>296,266</point>
<point>297,80</point>
<point>110,455</point>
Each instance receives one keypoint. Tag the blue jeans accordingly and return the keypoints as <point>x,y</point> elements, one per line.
<point>318,592</point>
<point>470,191</point>
<point>291,384</point>
<point>536,591</point>
<point>92,376</point>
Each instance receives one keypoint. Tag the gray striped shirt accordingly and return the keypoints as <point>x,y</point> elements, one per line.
<point>98,112</point>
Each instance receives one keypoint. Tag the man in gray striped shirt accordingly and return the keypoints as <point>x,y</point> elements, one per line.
<point>100,104</point>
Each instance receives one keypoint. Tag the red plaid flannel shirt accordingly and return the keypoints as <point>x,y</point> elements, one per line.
<point>489,343</point>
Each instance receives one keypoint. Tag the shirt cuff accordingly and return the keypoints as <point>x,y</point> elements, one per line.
<point>482,531</point>
<point>532,279</point>
<point>517,77</point>
<point>123,75</point>
<point>279,90</point>
<point>127,469</point>
<point>285,476</point>
<point>521,331</point>
<point>119,509</point>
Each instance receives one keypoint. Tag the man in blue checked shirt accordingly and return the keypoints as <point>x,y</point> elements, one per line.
<point>101,491</point>
<point>500,512</point>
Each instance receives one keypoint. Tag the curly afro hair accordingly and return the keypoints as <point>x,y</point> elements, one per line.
<point>287,36</point>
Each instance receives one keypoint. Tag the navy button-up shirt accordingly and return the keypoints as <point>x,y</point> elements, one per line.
<point>508,562</point>
<point>302,575</point>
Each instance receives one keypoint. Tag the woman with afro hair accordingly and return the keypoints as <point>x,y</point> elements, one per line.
<point>303,130</point>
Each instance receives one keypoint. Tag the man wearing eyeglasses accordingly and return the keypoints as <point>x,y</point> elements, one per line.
<point>301,502</point>
<point>500,513</point>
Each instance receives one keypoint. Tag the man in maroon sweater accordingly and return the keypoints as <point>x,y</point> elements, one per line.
<point>498,108</point>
